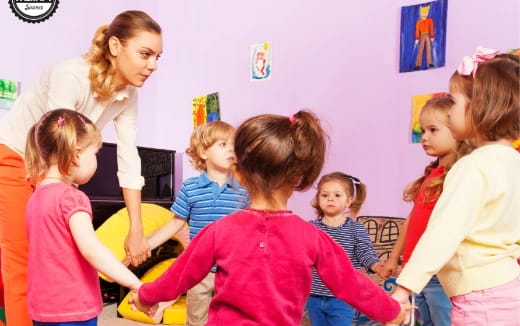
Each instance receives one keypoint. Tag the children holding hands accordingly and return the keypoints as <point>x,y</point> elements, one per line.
<point>471,240</point>
<point>264,254</point>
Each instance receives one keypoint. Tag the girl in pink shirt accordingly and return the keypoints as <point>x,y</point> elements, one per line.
<point>65,254</point>
<point>265,254</point>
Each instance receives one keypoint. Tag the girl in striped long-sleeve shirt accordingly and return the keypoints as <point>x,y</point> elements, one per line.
<point>337,202</point>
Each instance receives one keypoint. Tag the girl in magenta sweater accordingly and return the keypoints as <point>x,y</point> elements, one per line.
<point>264,254</point>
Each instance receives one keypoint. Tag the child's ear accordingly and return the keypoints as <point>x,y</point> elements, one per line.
<point>349,202</point>
<point>203,155</point>
<point>75,160</point>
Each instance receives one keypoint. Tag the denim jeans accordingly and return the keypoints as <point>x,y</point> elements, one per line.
<point>90,322</point>
<point>329,311</point>
<point>433,304</point>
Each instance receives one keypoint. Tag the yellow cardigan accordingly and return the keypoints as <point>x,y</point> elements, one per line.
<point>472,240</point>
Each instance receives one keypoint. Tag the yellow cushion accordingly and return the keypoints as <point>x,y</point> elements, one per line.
<point>174,314</point>
<point>113,231</point>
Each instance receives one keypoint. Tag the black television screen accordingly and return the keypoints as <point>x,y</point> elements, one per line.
<point>157,168</point>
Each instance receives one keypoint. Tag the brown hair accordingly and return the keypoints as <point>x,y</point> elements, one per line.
<point>495,108</point>
<point>275,151</point>
<point>124,26</point>
<point>354,189</point>
<point>203,137</point>
<point>433,189</point>
<point>492,109</point>
<point>56,139</point>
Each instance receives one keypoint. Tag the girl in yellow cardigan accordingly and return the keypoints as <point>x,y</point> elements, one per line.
<point>473,236</point>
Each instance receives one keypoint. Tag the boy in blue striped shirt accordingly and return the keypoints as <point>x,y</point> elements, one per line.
<point>204,199</point>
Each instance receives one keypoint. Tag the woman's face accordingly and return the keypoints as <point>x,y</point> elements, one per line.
<point>137,59</point>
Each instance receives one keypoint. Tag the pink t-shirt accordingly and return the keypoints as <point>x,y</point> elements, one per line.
<point>62,285</point>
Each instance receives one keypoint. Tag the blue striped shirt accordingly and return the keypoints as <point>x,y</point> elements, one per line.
<point>353,237</point>
<point>201,201</point>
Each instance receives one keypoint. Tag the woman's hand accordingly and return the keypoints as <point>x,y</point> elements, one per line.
<point>136,248</point>
<point>136,244</point>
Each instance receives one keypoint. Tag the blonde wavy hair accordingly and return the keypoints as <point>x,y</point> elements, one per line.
<point>56,139</point>
<point>124,26</point>
<point>434,187</point>
<point>203,137</point>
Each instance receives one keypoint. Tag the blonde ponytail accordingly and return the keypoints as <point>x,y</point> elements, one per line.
<point>101,67</point>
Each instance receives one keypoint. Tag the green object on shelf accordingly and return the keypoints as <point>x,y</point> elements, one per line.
<point>8,89</point>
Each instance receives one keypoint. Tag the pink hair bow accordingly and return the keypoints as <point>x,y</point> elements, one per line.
<point>469,64</point>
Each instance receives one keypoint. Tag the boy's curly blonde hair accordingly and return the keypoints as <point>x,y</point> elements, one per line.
<point>203,137</point>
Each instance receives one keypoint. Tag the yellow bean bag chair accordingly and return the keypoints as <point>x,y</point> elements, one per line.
<point>112,233</point>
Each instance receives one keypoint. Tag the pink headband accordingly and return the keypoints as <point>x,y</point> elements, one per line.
<point>469,64</point>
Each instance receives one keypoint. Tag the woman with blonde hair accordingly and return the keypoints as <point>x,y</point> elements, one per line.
<point>102,86</point>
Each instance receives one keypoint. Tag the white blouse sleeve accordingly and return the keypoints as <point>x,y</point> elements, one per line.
<point>128,160</point>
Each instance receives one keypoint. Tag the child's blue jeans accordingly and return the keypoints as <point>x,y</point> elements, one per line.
<point>90,322</point>
<point>433,304</point>
<point>329,311</point>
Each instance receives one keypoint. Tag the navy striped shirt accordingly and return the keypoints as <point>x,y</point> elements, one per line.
<point>353,237</point>
<point>201,201</point>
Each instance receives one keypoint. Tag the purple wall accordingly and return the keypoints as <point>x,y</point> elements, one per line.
<point>339,60</point>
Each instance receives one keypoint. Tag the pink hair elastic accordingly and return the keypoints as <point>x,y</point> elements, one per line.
<point>292,119</point>
<point>60,121</point>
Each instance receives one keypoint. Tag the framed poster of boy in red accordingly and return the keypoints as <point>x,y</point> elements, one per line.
<point>423,36</point>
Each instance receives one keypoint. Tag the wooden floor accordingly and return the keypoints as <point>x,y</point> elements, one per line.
<point>109,318</point>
